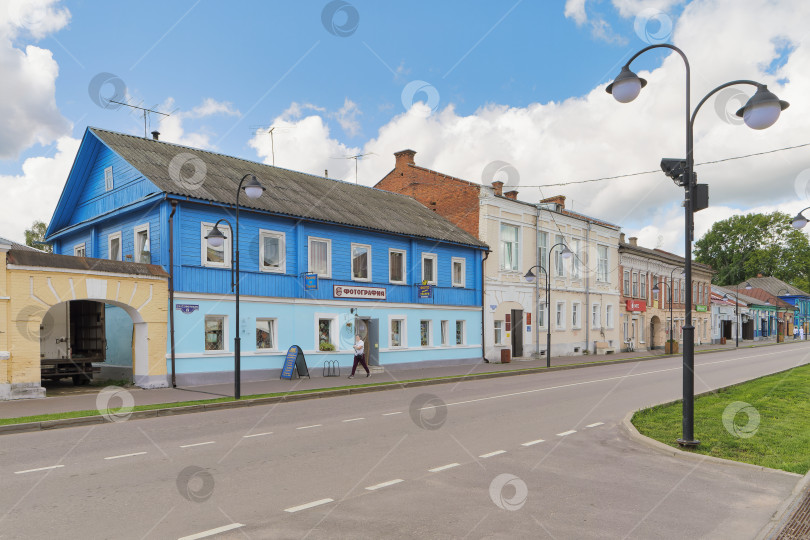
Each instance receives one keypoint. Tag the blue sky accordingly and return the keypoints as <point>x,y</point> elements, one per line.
<point>521,82</point>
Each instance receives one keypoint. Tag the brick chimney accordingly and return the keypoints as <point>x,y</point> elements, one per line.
<point>498,187</point>
<point>156,135</point>
<point>759,275</point>
<point>404,158</point>
<point>558,199</point>
<point>634,241</point>
<point>621,238</point>
<point>511,195</point>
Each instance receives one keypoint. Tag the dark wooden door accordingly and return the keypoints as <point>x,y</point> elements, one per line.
<point>517,332</point>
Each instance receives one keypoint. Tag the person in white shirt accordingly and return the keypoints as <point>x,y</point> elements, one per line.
<point>359,356</point>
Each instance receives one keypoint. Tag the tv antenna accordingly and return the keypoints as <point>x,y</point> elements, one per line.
<point>270,130</point>
<point>145,113</point>
<point>355,158</point>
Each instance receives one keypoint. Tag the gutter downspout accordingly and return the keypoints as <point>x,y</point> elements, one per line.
<point>483,312</point>
<point>588,309</point>
<point>171,288</point>
<point>537,283</point>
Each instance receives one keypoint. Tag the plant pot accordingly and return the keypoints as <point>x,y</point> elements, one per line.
<point>722,341</point>
<point>671,347</point>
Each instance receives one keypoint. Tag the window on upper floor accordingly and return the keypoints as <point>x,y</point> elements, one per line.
<point>542,241</point>
<point>459,274</point>
<point>510,247</point>
<point>429,268</point>
<point>320,256</point>
<point>635,285</point>
<point>626,283</point>
<point>559,268</point>
<point>108,178</point>
<point>215,256</point>
<point>642,278</point>
<point>602,268</point>
<point>396,266</point>
<point>361,262</point>
<point>114,246</point>
<point>576,245</point>
<point>80,250</point>
<point>272,251</point>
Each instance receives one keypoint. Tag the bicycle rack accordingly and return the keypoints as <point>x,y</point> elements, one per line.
<point>331,368</point>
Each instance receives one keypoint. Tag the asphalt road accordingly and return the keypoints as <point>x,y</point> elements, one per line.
<point>537,456</point>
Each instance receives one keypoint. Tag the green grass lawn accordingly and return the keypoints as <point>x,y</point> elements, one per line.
<point>771,426</point>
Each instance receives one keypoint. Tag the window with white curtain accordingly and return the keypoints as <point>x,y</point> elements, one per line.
<point>510,247</point>
<point>320,256</point>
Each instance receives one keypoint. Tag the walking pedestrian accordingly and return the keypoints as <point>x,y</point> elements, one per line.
<point>359,356</point>
<point>795,331</point>
<point>801,333</point>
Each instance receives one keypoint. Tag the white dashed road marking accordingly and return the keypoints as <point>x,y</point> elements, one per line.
<point>256,435</point>
<point>443,467</point>
<point>40,469</point>
<point>384,484</point>
<point>564,433</point>
<point>392,413</point>
<point>532,443</point>
<point>196,444</point>
<point>596,424</point>
<point>212,532</point>
<point>354,419</point>
<point>307,427</point>
<point>126,455</point>
<point>313,504</point>
<point>495,453</point>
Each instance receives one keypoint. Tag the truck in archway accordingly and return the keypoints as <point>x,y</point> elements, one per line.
<point>72,338</point>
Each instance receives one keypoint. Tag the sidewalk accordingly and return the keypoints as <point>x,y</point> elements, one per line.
<point>87,399</point>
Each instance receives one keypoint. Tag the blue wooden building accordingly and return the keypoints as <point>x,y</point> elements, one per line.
<point>144,200</point>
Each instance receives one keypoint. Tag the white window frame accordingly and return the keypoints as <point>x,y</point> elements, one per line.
<point>80,248</point>
<point>497,329</point>
<point>626,284</point>
<point>108,179</point>
<point>445,333</point>
<point>334,331</point>
<point>516,254</point>
<point>559,262</point>
<point>273,332</point>
<point>542,314</point>
<point>435,259</point>
<point>463,262</point>
<point>430,332</point>
<point>575,263</point>
<point>596,316</point>
<point>110,238</point>
<point>310,239</point>
<point>603,265</point>
<point>206,228</point>
<point>542,249</point>
<point>560,316</point>
<point>404,266</point>
<point>576,315</point>
<point>282,251</point>
<point>225,333</point>
<point>634,277</point>
<point>136,255</point>
<point>642,285</point>
<point>403,336</point>
<point>351,261</point>
<point>609,316</point>
<point>463,333</point>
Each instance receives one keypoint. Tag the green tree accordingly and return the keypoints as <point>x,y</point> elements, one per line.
<point>36,234</point>
<point>743,246</point>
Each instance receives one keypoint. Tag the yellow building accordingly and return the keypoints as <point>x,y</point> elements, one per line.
<point>37,288</point>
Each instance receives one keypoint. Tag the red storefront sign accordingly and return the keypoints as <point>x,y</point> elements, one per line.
<point>636,305</point>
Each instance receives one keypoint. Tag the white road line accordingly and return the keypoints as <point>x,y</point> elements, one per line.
<point>443,467</point>
<point>532,443</point>
<point>384,484</point>
<point>564,433</point>
<point>40,469</point>
<point>495,453</point>
<point>126,455</point>
<point>313,504</point>
<point>196,444</point>
<point>256,435</point>
<point>307,427</point>
<point>354,419</point>
<point>392,413</point>
<point>596,424</point>
<point>212,532</point>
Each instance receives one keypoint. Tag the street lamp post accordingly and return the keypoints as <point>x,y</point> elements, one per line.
<point>216,238</point>
<point>565,253</point>
<point>760,112</point>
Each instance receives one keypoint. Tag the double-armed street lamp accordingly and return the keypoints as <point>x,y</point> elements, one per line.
<point>565,253</point>
<point>737,310</point>
<point>253,189</point>
<point>761,111</point>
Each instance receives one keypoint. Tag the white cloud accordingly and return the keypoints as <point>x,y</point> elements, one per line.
<point>172,127</point>
<point>28,112</point>
<point>347,117</point>
<point>575,9</point>
<point>600,28</point>
<point>36,191</point>
<point>593,136</point>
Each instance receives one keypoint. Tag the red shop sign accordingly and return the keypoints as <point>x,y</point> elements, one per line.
<point>636,305</point>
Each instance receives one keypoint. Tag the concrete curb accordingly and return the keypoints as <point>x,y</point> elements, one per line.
<point>785,511</point>
<point>326,393</point>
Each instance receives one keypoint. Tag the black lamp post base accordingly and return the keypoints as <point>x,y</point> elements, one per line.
<point>689,444</point>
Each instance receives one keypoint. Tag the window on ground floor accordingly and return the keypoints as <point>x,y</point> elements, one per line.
<point>214,332</point>
<point>396,332</point>
<point>445,332</point>
<point>498,332</point>
<point>460,331</point>
<point>424,333</point>
<point>266,334</point>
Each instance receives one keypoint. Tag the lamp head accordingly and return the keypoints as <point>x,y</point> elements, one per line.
<point>530,277</point>
<point>656,289</point>
<point>626,86</point>
<point>215,237</point>
<point>748,286</point>
<point>253,189</point>
<point>566,253</point>
<point>763,109</point>
<point>799,221</point>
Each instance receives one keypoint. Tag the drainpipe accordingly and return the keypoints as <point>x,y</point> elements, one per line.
<point>483,311</point>
<point>537,284</point>
<point>171,287</point>
<point>588,309</point>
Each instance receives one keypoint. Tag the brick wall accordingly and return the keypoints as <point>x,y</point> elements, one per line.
<point>454,199</point>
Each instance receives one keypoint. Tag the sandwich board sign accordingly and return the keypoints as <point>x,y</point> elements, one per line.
<point>294,364</point>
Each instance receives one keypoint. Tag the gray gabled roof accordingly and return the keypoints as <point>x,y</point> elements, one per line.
<point>24,257</point>
<point>775,286</point>
<point>215,177</point>
<point>15,245</point>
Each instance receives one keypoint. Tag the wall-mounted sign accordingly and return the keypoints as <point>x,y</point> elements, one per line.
<point>425,291</point>
<point>701,307</point>
<point>343,291</point>
<point>636,305</point>
<point>187,308</point>
<point>310,281</point>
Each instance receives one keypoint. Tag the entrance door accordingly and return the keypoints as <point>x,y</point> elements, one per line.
<point>373,342</point>
<point>652,335</point>
<point>517,332</point>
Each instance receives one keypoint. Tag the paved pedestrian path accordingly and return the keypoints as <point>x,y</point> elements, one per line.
<point>85,398</point>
